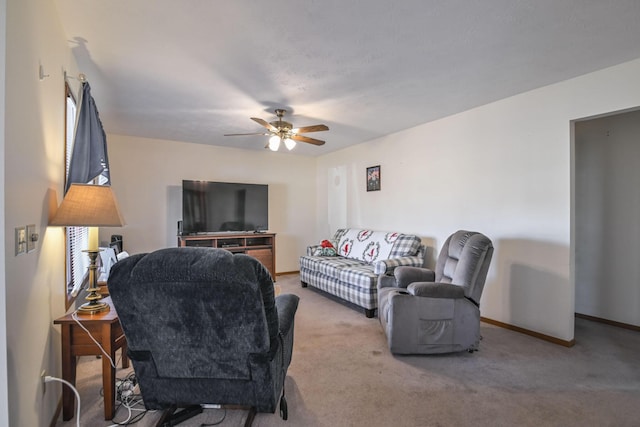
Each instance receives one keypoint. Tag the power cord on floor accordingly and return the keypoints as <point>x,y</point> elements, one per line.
<point>131,419</point>
<point>215,423</point>
<point>129,399</point>
<point>124,392</point>
<point>124,386</point>
<point>48,379</point>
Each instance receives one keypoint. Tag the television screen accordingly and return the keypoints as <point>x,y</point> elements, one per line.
<point>211,207</point>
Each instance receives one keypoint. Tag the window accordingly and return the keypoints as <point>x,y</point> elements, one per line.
<point>77,238</point>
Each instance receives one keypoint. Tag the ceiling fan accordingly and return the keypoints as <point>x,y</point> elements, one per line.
<point>282,131</point>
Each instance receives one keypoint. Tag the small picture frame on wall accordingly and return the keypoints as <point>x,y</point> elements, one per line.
<point>373,178</point>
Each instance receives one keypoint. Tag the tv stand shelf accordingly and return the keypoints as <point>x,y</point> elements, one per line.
<point>261,246</point>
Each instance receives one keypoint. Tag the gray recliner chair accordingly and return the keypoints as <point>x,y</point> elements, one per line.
<point>203,327</point>
<point>424,311</point>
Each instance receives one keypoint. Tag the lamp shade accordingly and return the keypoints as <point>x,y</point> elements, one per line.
<point>87,205</point>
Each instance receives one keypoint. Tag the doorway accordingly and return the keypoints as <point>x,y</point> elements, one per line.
<point>607,218</point>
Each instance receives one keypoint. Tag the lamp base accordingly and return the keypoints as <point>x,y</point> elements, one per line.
<point>93,307</point>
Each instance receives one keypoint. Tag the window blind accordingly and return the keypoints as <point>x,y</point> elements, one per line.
<point>77,238</point>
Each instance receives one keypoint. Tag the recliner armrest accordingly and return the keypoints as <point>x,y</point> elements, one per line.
<point>286,304</point>
<point>386,281</point>
<point>436,290</point>
<point>408,275</point>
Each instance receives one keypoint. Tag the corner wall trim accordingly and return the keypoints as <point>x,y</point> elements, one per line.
<point>538,335</point>
<point>284,273</point>
<point>56,415</point>
<point>608,322</point>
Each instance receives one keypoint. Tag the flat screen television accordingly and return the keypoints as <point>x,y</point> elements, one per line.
<point>213,207</point>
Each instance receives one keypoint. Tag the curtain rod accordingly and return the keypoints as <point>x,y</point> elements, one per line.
<point>81,77</point>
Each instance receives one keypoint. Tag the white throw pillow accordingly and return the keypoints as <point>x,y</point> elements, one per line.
<point>367,245</point>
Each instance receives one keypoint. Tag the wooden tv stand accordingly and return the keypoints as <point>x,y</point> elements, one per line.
<point>261,246</point>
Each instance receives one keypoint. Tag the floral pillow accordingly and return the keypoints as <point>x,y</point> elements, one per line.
<point>325,248</point>
<point>367,245</point>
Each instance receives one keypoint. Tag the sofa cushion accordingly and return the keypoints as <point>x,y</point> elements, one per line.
<point>332,266</point>
<point>310,262</point>
<point>329,266</point>
<point>361,276</point>
<point>338,236</point>
<point>366,245</point>
<point>405,245</point>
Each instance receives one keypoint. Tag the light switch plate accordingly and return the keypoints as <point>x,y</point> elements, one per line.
<point>21,240</point>
<point>31,238</point>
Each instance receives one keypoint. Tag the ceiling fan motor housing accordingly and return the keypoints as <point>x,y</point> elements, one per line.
<point>284,128</point>
<point>282,125</point>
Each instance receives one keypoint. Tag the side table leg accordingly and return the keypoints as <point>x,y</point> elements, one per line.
<point>108,372</point>
<point>68,373</point>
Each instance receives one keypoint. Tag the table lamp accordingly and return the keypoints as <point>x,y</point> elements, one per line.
<point>91,206</point>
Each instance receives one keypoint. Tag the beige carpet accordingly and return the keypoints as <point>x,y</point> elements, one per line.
<point>342,374</point>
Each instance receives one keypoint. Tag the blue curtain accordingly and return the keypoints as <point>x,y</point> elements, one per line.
<point>89,156</point>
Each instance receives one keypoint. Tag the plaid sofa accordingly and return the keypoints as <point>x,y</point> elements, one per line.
<point>362,255</point>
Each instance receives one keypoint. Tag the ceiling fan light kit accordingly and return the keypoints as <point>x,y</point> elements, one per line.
<point>274,143</point>
<point>281,130</point>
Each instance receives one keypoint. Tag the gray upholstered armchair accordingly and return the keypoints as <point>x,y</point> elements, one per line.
<point>424,311</point>
<point>203,327</point>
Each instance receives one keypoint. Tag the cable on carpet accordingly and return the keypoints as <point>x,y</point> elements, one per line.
<point>49,378</point>
<point>215,423</point>
<point>127,397</point>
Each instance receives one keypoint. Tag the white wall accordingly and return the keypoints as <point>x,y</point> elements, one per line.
<point>4,395</point>
<point>503,169</point>
<point>33,166</point>
<point>608,217</point>
<point>147,177</point>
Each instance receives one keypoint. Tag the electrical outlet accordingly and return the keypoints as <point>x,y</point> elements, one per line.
<point>43,374</point>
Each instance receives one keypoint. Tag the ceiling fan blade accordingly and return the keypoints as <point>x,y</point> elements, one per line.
<point>302,138</point>
<point>241,134</point>
<point>265,124</point>
<point>314,128</point>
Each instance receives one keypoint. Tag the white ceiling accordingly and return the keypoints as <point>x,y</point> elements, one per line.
<point>193,70</point>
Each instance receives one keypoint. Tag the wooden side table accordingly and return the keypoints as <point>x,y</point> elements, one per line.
<point>105,328</point>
